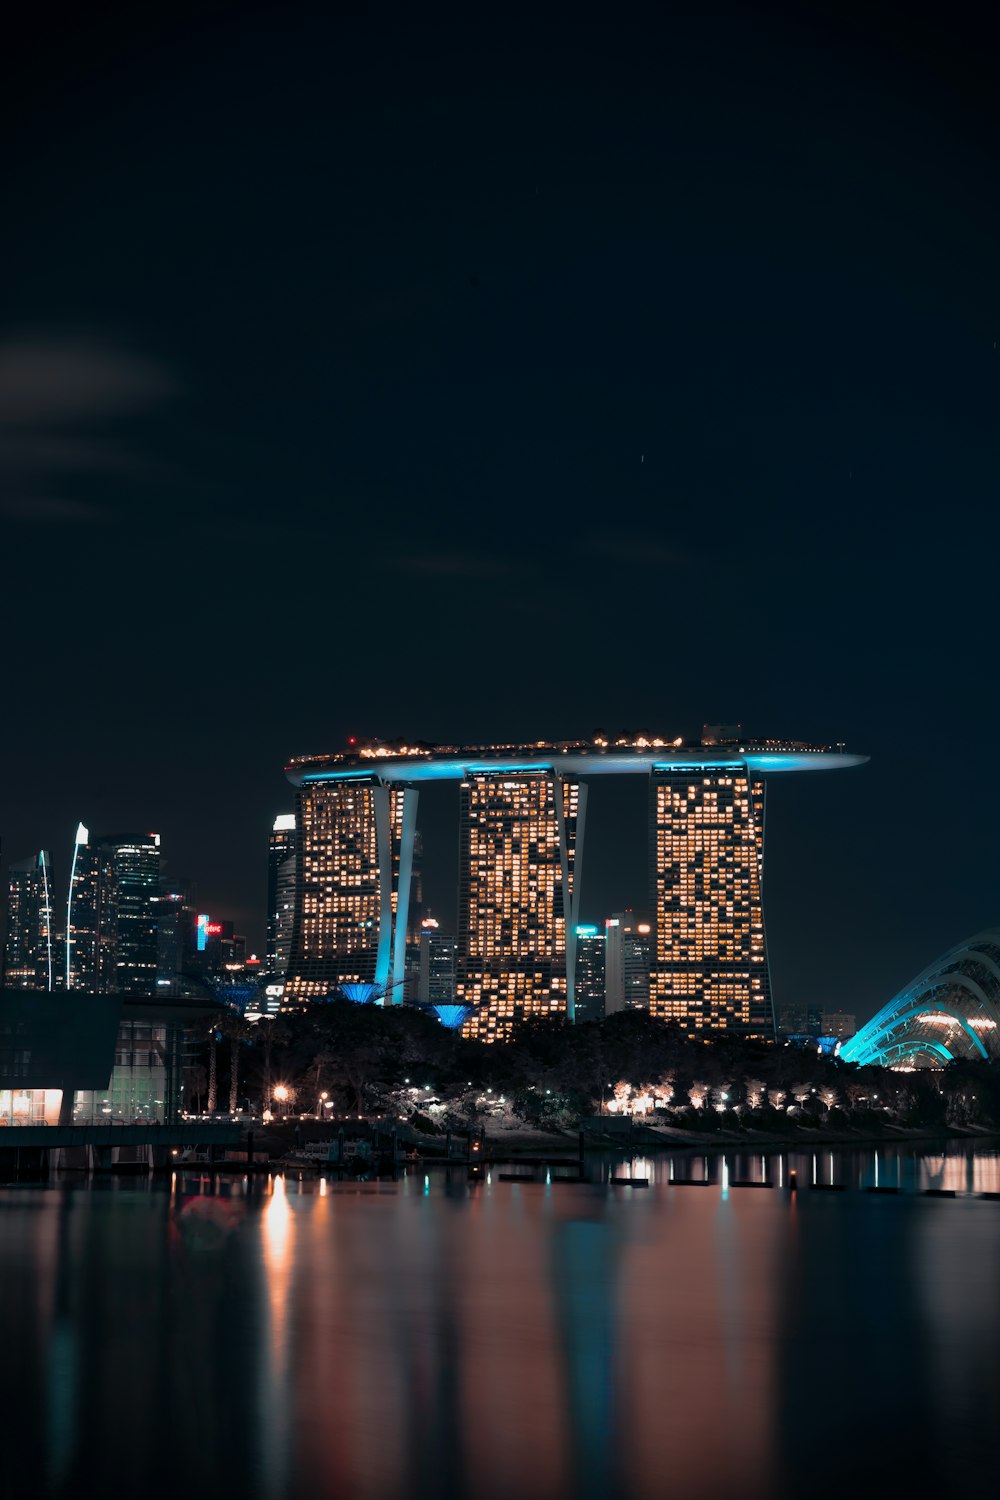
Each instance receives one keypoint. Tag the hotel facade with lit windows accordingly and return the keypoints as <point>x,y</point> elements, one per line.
<point>521,838</point>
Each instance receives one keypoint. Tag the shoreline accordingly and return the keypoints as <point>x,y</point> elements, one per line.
<point>646,1139</point>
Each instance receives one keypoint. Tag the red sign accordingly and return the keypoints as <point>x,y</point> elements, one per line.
<point>214,929</point>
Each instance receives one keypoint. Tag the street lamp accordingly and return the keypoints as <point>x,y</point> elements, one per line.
<point>282,1094</point>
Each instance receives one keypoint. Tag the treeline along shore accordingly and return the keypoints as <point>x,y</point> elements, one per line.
<point>628,1073</point>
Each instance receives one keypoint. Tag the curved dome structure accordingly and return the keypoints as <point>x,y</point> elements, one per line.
<point>951,1010</point>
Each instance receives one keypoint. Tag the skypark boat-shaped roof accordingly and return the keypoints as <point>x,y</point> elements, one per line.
<point>421,762</point>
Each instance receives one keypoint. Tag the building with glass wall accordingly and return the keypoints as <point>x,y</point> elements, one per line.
<point>437,964</point>
<point>30,958</point>
<point>280,895</point>
<point>591,976</point>
<point>78,1057</point>
<point>111,925</point>
<point>628,958</point>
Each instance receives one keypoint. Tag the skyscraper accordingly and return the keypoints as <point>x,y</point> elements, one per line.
<point>111,931</point>
<point>591,961</point>
<point>136,861</point>
<point>438,952</point>
<point>709,967</point>
<point>519,840</point>
<point>628,960</point>
<point>176,915</point>
<point>89,949</point>
<point>353,872</point>
<point>280,894</point>
<point>29,962</point>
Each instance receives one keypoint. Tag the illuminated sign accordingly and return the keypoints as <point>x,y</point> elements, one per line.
<point>202,931</point>
<point>213,929</point>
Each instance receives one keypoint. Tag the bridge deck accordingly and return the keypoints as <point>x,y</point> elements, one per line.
<point>31,1137</point>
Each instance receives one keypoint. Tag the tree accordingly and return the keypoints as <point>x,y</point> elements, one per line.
<point>195,1082</point>
<point>213,1077</point>
<point>233,1026</point>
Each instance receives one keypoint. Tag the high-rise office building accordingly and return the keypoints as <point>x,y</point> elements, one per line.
<point>801,1020</point>
<point>438,954</point>
<point>29,958</point>
<point>353,873</point>
<point>838,1023</point>
<point>518,897</point>
<point>176,915</point>
<point>111,932</point>
<point>219,948</point>
<point>136,861</point>
<point>591,964</point>
<point>709,967</point>
<point>628,961</point>
<point>280,894</point>
<point>88,959</point>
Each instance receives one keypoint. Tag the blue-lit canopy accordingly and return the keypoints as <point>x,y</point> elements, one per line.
<point>950,1010</point>
<point>363,993</point>
<point>452,1016</point>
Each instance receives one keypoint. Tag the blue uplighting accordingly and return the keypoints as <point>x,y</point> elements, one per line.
<point>362,993</point>
<point>698,765</point>
<point>452,1016</point>
<point>501,767</point>
<point>455,767</point>
<point>339,776</point>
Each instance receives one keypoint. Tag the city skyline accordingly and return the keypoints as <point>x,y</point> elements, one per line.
<point>345,885</point>
<point>652,404</point>
<point>463,470</point>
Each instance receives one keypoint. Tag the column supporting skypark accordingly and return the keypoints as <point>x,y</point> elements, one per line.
<point>402,882</point>
<point>352,888</point>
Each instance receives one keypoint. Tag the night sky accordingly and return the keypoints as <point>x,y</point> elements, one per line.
<point>495,371</point>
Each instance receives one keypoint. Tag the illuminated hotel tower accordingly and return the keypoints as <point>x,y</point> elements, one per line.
<point>709,963</point>
<point>353,871</point>
<point>521,842</point>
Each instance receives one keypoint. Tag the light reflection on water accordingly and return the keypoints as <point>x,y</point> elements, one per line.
<point>277,1337</point>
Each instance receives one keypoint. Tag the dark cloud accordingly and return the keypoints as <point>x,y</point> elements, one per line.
<point>46,381</point>
<point>638,549</point>
<point>452,564</point>
<point>44,508</point>
<point>63,401</point>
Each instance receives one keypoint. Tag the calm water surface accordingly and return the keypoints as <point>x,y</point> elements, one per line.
<point>433,1337</point>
